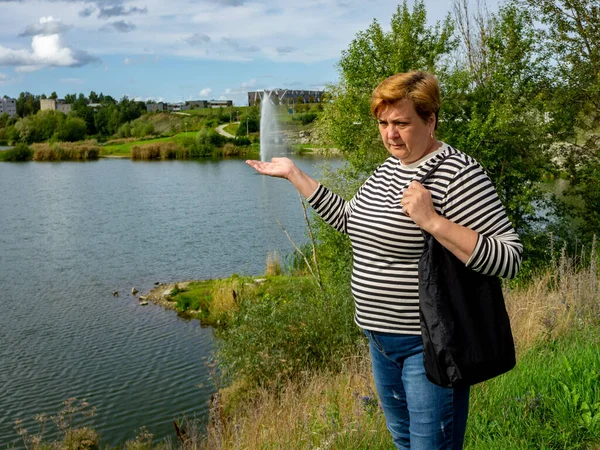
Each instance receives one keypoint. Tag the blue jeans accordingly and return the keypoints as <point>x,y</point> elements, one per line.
<point>419,414</point>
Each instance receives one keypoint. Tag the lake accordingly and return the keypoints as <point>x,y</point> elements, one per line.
<point>72,233</point>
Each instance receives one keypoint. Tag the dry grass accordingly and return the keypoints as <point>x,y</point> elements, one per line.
<point>64,151</point>
<point>158,150</point>
<point>273,264</point>
<point>556,299</point>
<point>224,299</point>
<point>313,412</point>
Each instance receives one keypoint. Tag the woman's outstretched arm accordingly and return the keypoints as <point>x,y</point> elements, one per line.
<point>285,168</point>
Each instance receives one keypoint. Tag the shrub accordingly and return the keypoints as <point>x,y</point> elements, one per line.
<point>20,153</point>
<point>306,118</point>
<point>242,141</point>
<point>284,328</point>
<point>66,151</point>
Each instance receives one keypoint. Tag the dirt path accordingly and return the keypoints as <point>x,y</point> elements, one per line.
<point>220,129</point>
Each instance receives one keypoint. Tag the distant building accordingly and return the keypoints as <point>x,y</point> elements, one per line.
<point>286,96</point>
<point>175,107</point>
<point>154,107</point>
<point>9,106</point>
<point>194,104</point>
<point>51,104</point>
<point>94,106</point>
<point>220,103</point>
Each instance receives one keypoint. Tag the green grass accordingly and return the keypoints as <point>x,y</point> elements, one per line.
<point>551,400</point>
<point>211,300</point>
<point>124,149</point>
<point>232,128</point>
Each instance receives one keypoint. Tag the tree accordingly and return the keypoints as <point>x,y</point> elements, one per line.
<point>71,130</point>
<point>371,57</point>
<point>54,96</point>
<point>572,35</point>
<point>70,98</point>
<point>27,104</point>
<point>493,110</point>
<point>39,127</point>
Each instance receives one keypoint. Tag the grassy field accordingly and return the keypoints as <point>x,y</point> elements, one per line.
<point>123,149</point>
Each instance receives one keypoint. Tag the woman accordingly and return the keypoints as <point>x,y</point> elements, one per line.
<point>458,205</point>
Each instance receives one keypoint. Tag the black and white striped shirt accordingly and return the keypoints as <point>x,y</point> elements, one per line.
<point>387,244</point>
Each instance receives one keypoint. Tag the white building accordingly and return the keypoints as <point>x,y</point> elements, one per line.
<point>55,105</point>
<point>9,106</point>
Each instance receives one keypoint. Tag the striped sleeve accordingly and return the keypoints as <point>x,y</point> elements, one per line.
<point>472,201</point>
<point>332,208</point>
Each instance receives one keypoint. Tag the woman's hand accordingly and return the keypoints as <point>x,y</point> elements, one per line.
<point>285,168</point>
<point>277,167</point>
<point>417,204</point>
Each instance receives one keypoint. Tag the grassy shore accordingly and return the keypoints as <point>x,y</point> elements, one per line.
<point>295,371</point>
<point>550,400</point>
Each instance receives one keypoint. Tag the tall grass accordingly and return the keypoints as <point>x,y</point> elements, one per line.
<point>66,151</point>
<point>158,150</point>
<point>550,400</point>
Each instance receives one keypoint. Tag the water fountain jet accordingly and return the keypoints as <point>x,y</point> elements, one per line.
<point>269,131</point>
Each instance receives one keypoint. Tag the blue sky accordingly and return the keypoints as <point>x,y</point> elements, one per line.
<point>175,50</point>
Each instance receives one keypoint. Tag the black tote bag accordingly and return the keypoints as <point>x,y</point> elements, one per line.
<point>464,324</point>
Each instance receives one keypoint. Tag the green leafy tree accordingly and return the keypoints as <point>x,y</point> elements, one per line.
<point>27,104</point>
<point>70,98</point>
<point>495,113</point>
<point>54,95</point>
<point>39,127</point>
<point>572,36</point>
<point>372,56</point>
<point>250,121</point>
<point>72,129</point>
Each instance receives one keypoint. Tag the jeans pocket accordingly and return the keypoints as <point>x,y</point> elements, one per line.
<point>374,341</point>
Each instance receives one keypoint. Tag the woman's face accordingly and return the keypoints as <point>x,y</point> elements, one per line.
<point>404,134</point>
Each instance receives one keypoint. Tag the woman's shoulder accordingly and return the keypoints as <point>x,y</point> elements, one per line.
<point>457,161</point>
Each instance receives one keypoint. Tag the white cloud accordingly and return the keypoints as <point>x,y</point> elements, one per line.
<point>4,79</point>
<point>46,26</point>
<point>47,49</point>
<point>205,92</point>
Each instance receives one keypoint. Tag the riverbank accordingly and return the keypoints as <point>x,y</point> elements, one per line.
<point>556,327</point>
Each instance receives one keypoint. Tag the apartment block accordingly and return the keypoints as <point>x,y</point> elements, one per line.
<point>9,106</point>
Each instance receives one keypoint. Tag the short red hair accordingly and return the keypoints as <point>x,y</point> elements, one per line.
<point>420,88</point>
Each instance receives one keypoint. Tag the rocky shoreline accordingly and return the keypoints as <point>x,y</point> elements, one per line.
<point>161,295</point>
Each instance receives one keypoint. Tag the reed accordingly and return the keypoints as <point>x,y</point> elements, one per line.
<point>273,264</point>
<point>66,151</point>
<point>158,150</point>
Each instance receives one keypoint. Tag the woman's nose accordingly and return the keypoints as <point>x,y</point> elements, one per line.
<point>392,132</point>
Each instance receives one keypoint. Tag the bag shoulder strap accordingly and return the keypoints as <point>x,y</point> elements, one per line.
<point>433,169</point>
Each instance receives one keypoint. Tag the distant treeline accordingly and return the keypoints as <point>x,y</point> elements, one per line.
<point>33,125</point>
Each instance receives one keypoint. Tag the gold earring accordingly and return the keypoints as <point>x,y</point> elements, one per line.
<point>431,134</point>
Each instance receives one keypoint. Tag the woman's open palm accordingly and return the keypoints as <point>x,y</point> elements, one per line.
<point>277,167</point>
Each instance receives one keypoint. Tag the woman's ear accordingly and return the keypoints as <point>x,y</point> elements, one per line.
<point>432,122</point>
